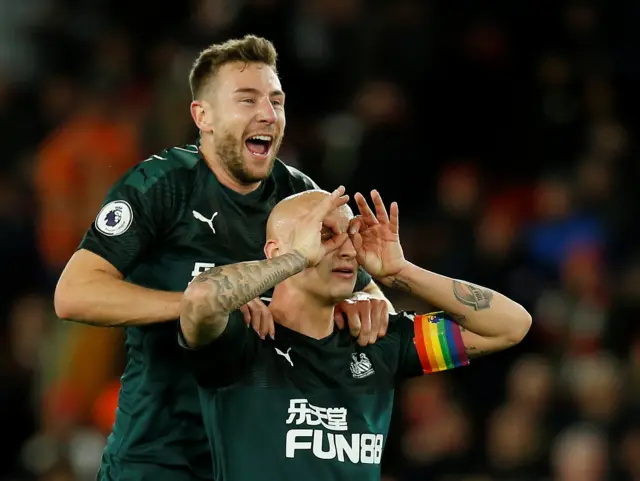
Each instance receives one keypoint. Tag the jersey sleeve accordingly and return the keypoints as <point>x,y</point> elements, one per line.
<point>136,210</point>
<point>425,343</point>
<point>222,362</point>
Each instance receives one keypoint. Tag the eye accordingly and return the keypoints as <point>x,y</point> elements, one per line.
<point>248,101</point>
<point>326,234</point>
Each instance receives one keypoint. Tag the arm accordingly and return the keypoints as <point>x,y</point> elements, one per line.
<point>488,321</point>
<point>214,294</point>
<point>92,291</point>
<point>136,212</point>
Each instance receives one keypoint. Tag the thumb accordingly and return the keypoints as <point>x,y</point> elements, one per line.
<point>355,225</point>
<point>357,241</point>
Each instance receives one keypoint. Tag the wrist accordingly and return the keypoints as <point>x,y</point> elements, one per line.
<point>301,257</point>
<point>401,276</point>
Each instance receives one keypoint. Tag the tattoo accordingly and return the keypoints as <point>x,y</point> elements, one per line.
<point>400,284</point>
<point>207,329</point>
<point>231,287</point>
<point>236,284</point>
<point>473,296</point>
<point>473,352</point>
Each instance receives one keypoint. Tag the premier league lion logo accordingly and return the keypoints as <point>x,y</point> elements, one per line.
<point>113,217</point>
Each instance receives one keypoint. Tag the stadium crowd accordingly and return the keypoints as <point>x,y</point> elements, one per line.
<point>504,129</point>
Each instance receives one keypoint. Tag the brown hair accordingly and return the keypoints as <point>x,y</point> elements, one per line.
<point>247,49</point>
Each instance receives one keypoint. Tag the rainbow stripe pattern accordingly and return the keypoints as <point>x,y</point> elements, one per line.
<point>438,342</point>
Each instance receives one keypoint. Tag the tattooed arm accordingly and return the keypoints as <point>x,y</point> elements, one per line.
<point>214,294</point>
<point>488,320</point>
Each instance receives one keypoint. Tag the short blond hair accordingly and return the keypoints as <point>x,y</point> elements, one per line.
<point>248,49</point>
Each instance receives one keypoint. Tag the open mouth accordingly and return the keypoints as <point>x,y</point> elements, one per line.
<point>344,271</point>
<point>259,145</point>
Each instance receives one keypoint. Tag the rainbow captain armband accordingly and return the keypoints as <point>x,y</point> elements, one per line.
<point>438,342</point>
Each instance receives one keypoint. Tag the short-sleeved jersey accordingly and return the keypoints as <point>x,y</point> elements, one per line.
<point>296,408</point>
<point>166,221</point>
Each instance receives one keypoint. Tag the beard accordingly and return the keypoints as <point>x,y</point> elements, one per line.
<point>230,151</point>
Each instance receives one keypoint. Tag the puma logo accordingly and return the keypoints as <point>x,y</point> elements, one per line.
<point>285,355</point>
<point>202,218</point>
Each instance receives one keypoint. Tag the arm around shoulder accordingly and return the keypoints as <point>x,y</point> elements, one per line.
<point>214,294</point>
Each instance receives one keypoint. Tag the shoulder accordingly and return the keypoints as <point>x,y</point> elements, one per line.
<point>297,180</point>
<point>401,320</point>
<point>174,166</point>
<point>399,331</point>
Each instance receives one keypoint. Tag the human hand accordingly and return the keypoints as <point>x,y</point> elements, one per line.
<point>306,237</point>
<point>366,316</point>
<point>257,314</point>
<point>376,239</point>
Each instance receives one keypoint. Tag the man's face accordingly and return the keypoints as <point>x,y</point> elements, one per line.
<point>248,119</point>
<point>334,278</point>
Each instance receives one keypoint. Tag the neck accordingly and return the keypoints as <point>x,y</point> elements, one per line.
<point>222,174</point>
<point>301,312</point>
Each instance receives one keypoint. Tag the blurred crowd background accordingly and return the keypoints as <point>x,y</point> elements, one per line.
<point>505,129</point>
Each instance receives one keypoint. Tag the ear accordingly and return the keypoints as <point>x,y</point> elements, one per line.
<point>271,249</point>
<point>201,114</point>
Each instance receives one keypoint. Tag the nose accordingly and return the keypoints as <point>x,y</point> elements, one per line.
<point>266,112</point>
<point>347,251</point>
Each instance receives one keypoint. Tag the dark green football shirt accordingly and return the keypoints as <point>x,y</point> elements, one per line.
<point>167,220</point>
<point>297,408</point>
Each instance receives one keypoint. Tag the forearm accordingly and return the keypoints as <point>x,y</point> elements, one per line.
<point>214,294</point>
<point>480,310</point>
<point>110,302</point>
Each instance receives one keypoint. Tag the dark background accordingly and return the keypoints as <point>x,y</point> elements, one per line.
<point>506,130</point>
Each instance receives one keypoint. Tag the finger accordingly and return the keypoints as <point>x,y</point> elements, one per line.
<point>355,225</point>
<point>267,327</point>
<point>246,314</point>
<point>338,317</point>
<point>376,320</point>
<point>353,321</point>
<point>329,204</point>
<point>266,319</point>
<point>357,242</point>
<point>381,210</point>
<point>384,317</point>
<point>365,211</point>
<point>394,220</point>
<point>256,318</point>
<point>334,243</point>
<point>365,323</point>
<point>332,223</point>
<point>325,208</point>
